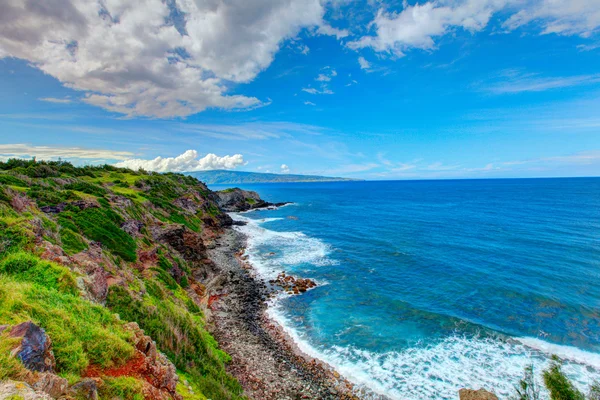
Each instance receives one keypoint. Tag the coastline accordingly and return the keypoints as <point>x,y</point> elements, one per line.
<point>265,359</point>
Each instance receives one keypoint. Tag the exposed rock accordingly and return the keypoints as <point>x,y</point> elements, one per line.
<point>53,385</point>
<point>481,394</point>
<point>236,200</point>
<point>87,389</point>
<point>187,243</point>
<point>81,204</point>
<point>20,202</point>
<point>96,284</point>
<point>20,390</point>
<point>293,285</point>
<point>35,349</point>
<point>132,227</point>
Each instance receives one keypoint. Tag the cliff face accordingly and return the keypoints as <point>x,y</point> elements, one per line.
<point>102,274</point>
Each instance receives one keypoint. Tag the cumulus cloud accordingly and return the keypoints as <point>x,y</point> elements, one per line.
<point>155,58</point>
<point>418,26</point>
<point>55,152</point>
<point>285,169</point>
<point>186,162</point>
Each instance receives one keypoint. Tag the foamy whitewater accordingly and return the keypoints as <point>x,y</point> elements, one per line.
<point>426,288</point>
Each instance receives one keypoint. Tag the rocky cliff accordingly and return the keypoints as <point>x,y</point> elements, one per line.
<point>103,277</point>
<point>236,200</point>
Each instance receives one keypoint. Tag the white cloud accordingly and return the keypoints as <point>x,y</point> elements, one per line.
<point>155,58</point>
<point>567,17</point>
<point>323,78</point>
<point>304,49</point>
<point>418,26</point>
<point>56,100</point>
<point>251,130</point>
<point>55,152</point>
<point>364,64</point>
<point>309,103</point>
<point>515,81</point>
<point>186,162</point>
<point>285,169</point>
<point>324,90</point>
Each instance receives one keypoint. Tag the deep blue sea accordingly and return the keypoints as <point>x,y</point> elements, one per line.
<point>430,286</point>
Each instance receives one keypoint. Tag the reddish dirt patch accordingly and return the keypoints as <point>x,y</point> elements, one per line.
<point>134,368</point>
<point>213,298</point>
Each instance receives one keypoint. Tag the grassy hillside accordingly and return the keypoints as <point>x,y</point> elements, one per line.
<point>85,251</point>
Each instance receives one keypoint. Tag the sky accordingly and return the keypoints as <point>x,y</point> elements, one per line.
<point>372,89</point>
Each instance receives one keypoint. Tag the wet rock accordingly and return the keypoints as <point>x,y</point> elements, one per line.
<point>86,389</point>
<point>35,348</point>
<point>20,390</point>
<point>481,394</point>
<point>293,285</point>
<point>53,385</point>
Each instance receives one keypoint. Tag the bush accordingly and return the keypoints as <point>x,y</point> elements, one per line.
<point>86,187</point>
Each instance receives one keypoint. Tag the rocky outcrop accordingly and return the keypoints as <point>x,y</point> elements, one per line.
<point>293,285</point>
<point>51,384</point>
<point>481,394</point>
<point>158,372</point>
<point>236,200</point>
<point>35,347</point>
<point>81,204</point>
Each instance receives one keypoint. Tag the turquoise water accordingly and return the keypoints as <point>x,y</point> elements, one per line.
<point>430,286</point>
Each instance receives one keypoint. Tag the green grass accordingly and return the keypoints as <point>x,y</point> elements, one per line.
<point>181,336</point>
<point>10,367</point>
<point>101,225</point>
<point>122,388</point>
<point>82,333</point>
<point>6,179</point>
<point>559,386</point>
<point>29,268</point>
<point>72,243</point>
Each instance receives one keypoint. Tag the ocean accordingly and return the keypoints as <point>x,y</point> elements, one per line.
<point>426,287</point>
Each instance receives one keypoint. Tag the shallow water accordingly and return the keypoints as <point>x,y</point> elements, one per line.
<point>430,286</point>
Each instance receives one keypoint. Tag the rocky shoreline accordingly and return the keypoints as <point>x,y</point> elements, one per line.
<point>265,360</point>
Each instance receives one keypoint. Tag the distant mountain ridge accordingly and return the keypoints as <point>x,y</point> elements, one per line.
<point>224,177</point>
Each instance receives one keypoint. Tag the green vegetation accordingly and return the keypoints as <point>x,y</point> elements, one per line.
<point>179,334</point>
<point>556,382</point>
<point>121,388</point>
<point>89,204</point>
<point>101,225</point>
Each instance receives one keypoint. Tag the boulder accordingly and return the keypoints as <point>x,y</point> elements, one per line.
<point>481,394</point>
<point>20,390</point>
<point>86,389</point>
<point>53,385</point>
<point>35,348</point>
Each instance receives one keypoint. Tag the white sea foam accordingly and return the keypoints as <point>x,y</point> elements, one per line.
<point>293,248</point>
<point>435,370</point>
<point>438,370</point>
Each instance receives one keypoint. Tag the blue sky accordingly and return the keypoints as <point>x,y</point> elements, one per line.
<point>366,89</point>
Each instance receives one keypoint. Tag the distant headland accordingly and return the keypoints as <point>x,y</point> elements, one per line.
<point>226,177</point>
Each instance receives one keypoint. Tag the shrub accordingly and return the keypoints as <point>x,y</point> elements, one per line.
<point>559,386</point>
<point>86,187</point>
